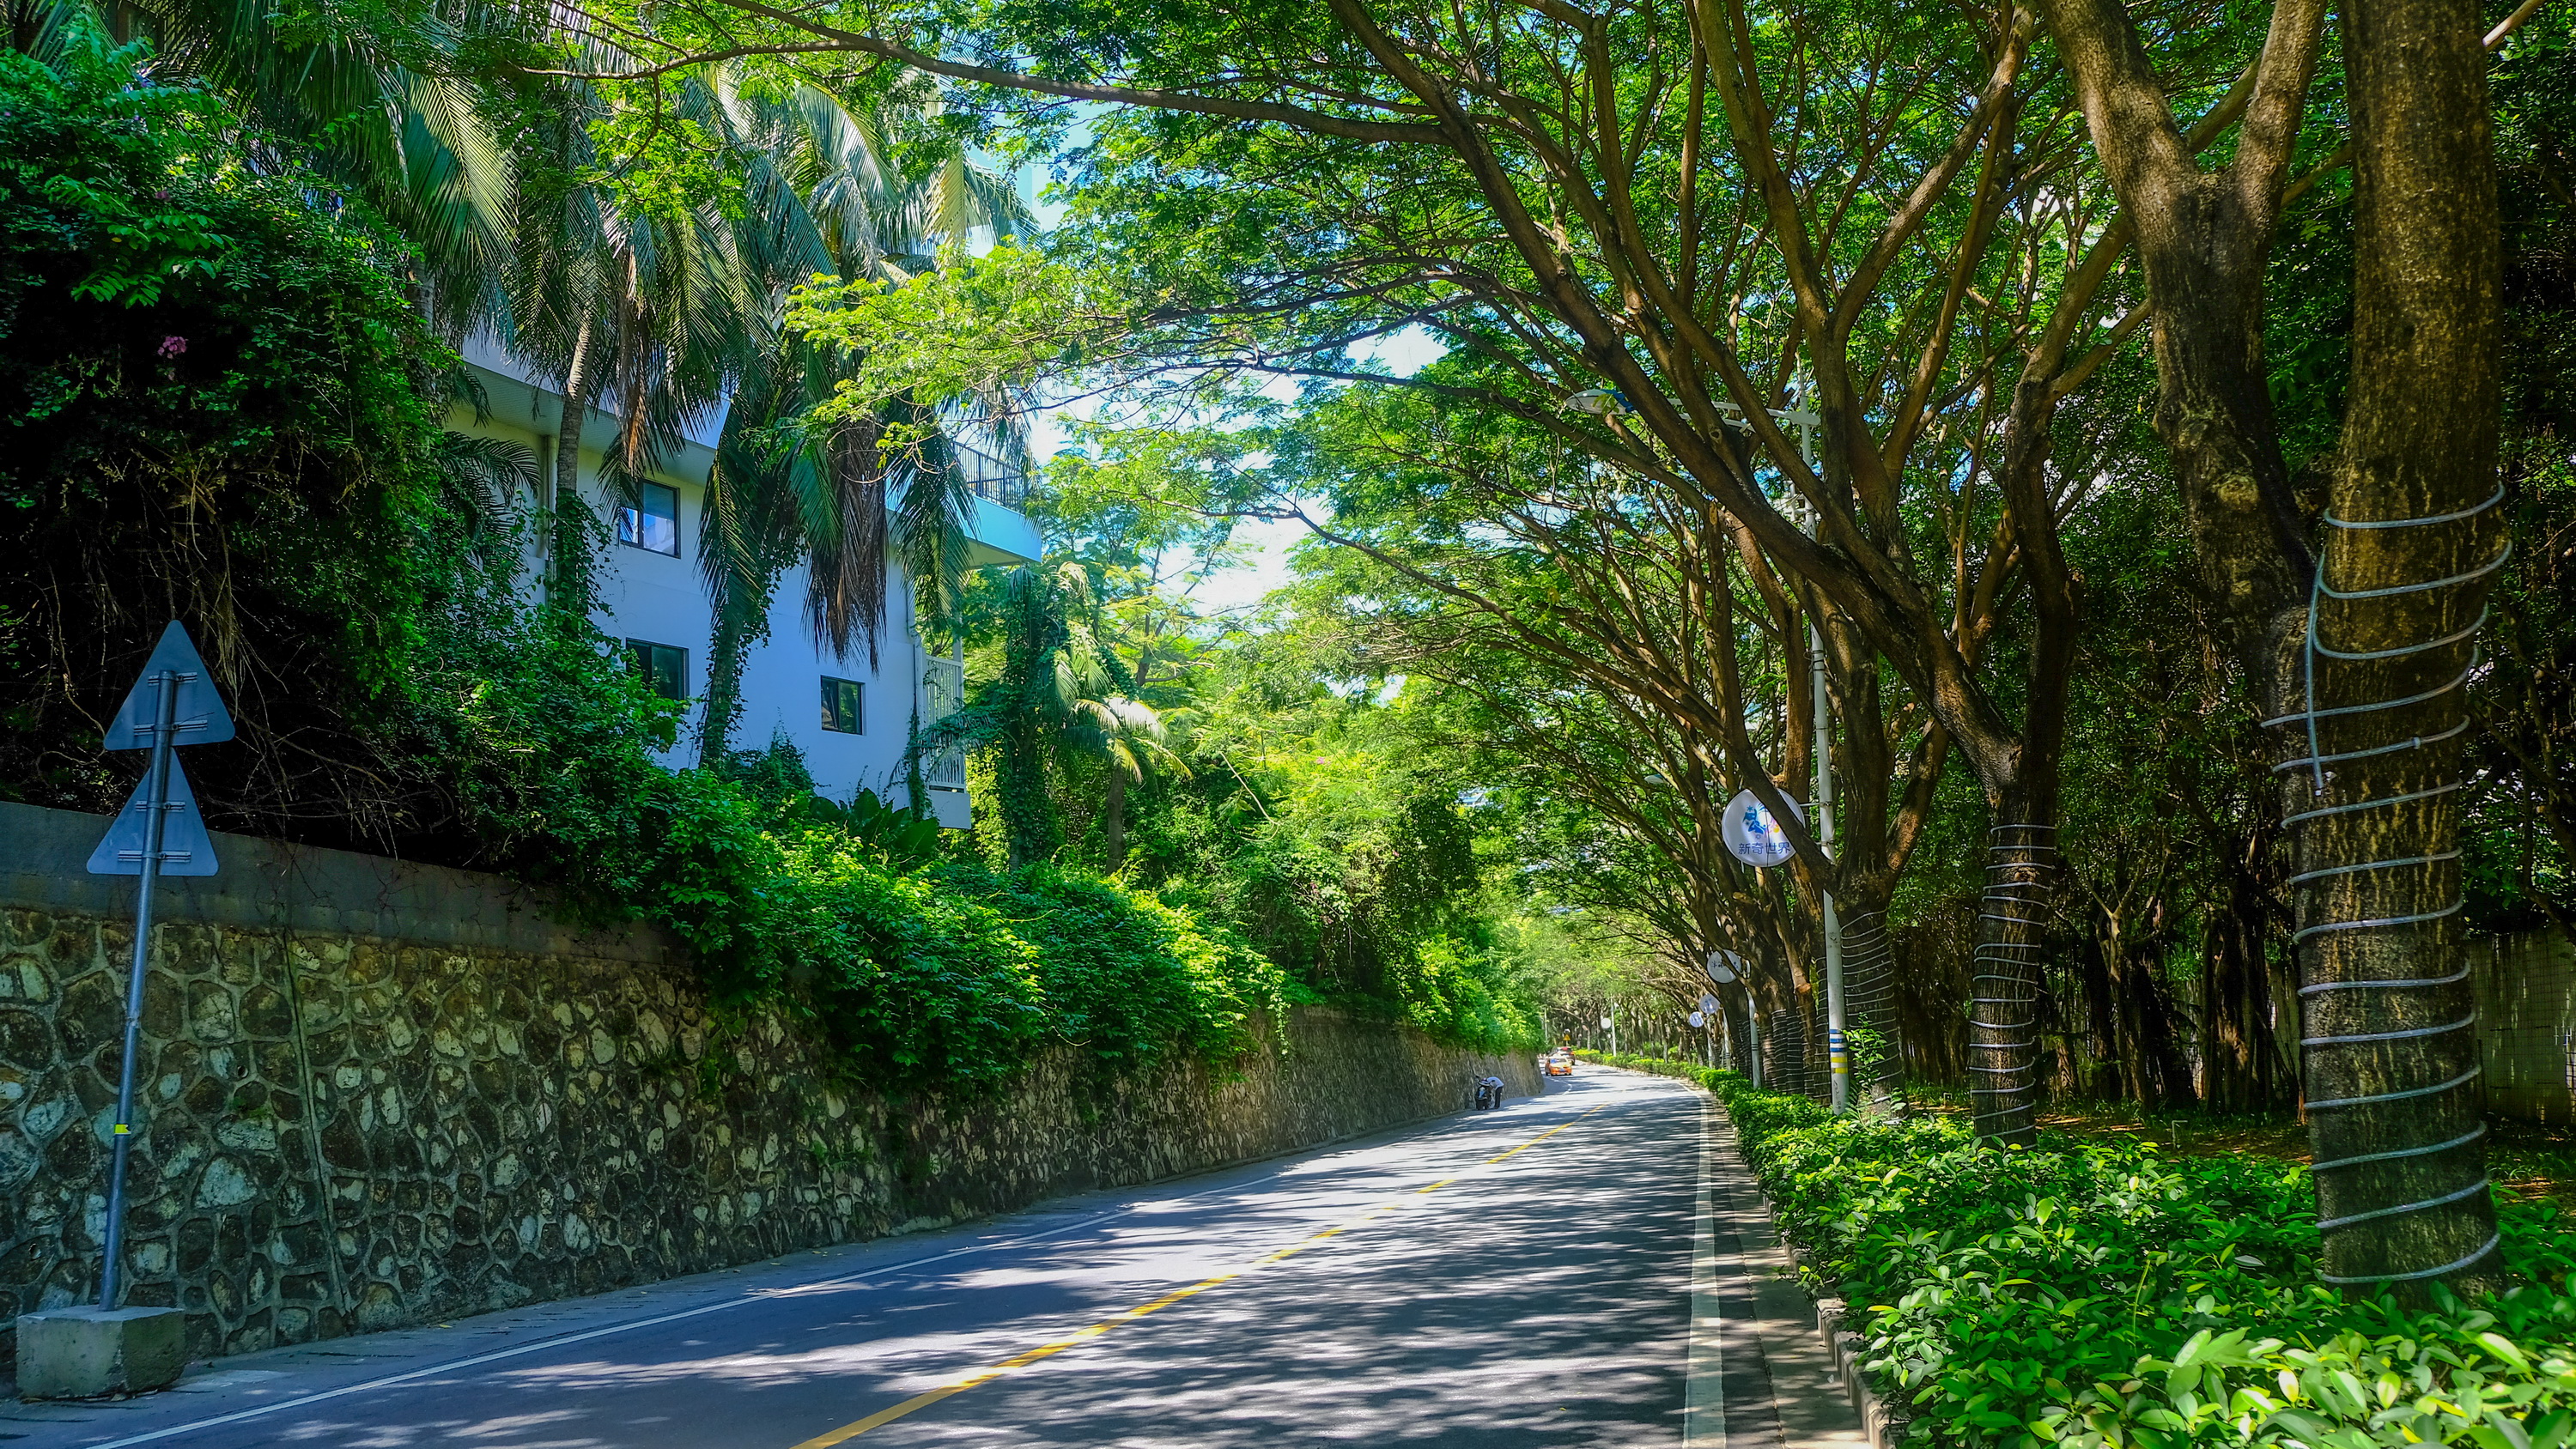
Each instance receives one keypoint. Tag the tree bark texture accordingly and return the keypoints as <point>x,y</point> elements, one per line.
<point>2004,980</point>
<point>2412,538</point>
<point>1869,996</point>
<point>2203,238</point>
<point>568,517</point>
<point>2214,411</point>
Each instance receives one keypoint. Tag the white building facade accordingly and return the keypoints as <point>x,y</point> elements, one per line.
<point>850,719</point>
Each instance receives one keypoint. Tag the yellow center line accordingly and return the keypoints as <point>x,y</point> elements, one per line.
<point>1533,1142</point>
<point>883,1417</point>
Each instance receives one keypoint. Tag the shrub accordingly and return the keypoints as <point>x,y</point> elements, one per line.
<point>216,401</point>
<point>923,974</point>
<point>2099,1294</point>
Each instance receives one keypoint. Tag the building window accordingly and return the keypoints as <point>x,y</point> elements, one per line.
<point>652,521</point>
<point>664,669</point>
<point>842,712</point>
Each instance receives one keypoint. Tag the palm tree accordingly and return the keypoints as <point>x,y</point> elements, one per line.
<point>400,129</point>
<point>653,314</point>
<point>787,488</point>
<point>1132,737</point>
<point>1061,692</point>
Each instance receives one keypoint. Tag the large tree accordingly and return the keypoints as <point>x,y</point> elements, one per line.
<point>1685,208</point>
<point>2356,645</point>
<point>1637,250</point>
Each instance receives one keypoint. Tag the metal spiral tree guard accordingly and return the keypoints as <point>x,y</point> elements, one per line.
<point>2348,1069</point>
<point>1870,992</point>
<point>2004,972</point>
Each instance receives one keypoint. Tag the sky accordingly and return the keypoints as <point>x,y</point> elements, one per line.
<point>1264,543</point>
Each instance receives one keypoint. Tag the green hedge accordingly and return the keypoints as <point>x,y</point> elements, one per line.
<point>923,973</point>
<point>2100,1294</point>
<point>956,976</point>
<point>1690,1072</point>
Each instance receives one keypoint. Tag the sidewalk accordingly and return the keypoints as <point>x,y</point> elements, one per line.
<point>1762,1375</point>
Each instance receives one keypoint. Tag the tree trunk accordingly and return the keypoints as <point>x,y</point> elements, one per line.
<point>2151,1047</point>
<point>2239,1049</point>
<point>569,521</point>
<point>2388,1020</point>
<point>2214,411</point>
<point>2099,1075</point>
<point>1784,1052</point>
<point>2004,977</point>
<point>725,650</point>
<point>1869,998</point>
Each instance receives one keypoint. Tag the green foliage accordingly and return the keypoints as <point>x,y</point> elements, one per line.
<point>973,326</point>
<point>216,402</point>
<point>2099,1294</point>
<point>1452,990</point>
<point>219,397</point>
<point>778,781</point>
<point>1706,1078</point>
<point>926,975</point>
<point>1133,974</point>
<point>1229,770</point>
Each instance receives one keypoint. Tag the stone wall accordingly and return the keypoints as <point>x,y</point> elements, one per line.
<point>376,1094</point>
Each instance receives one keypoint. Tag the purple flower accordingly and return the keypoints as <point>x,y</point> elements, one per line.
<point>173,346</point>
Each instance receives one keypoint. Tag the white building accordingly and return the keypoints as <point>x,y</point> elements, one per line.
<point>850,720</point>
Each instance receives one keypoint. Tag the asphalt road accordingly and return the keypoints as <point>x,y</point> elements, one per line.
<point>1517,1277</point>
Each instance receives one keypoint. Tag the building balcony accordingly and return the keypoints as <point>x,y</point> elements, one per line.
<point>520,403</point>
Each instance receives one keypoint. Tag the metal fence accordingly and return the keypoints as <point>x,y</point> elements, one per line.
<point>943,686</point>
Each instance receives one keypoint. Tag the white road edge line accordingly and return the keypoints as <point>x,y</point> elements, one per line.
<point>758,1296</point>
<point>568,1340</point>
<point>1704,1397</point>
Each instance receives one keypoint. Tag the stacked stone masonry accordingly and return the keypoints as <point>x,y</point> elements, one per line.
<point>343,1132</point>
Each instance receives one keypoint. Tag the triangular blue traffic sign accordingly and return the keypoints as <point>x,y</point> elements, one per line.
<point>186,848</point>
<point>202,718</point>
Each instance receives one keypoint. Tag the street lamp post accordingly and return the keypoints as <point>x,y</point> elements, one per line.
<point>1837,1052</point>
<point>1603,401</point>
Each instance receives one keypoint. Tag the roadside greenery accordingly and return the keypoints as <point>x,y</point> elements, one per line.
<point>229,406</point>
<point>215,400</point>
<point>1236,769</point>
<point>2104,1294</point>
<point>1472,772</point>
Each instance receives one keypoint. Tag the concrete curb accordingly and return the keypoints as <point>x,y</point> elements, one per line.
<point>1886,1428</point>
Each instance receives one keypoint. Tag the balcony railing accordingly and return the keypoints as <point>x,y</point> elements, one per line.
<point>943,685</point>
<point>990,477</point>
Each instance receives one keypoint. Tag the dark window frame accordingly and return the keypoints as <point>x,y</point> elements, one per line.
<point>857,698</point>
<point>632,517</point>
<point>640,657</point>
